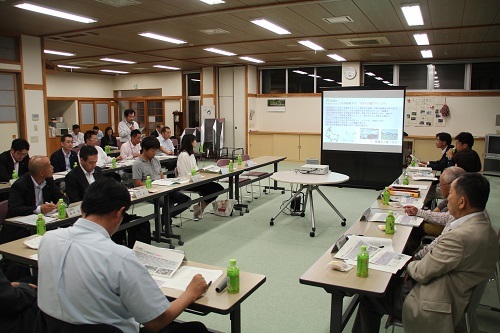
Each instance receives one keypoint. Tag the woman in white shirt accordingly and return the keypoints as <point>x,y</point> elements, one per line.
<point>187,162</point>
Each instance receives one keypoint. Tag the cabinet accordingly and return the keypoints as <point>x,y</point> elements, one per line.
<point>295,146</point>
<point>54,144</point>
<point>491,165</point>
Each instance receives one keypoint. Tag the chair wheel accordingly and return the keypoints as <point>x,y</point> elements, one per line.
<point>171,247</point>
<point>241,213</point>
<point>282,192</point>
<point>302,214</point>
<point>271,223</point>
<point>343,224</point>
<point>312,234</point>
<point>247,210</point>
<point>180,243</point>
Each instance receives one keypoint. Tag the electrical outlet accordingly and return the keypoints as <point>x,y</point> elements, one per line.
<point>35,128</point>
<point>34,139</point>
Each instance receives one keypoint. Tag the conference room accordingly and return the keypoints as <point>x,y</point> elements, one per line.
<point>269,90</point>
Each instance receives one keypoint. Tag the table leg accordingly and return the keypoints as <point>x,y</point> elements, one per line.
<point>235,317</point>
<point>313,223</point>
<point>286,204</point>
<point>331,205</point>
<point>336,314</point>
<point>157,212</point>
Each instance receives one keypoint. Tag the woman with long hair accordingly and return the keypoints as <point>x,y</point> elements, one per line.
<point>108,139</point>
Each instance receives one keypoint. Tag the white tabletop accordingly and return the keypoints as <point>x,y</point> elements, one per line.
<point>309,179</point>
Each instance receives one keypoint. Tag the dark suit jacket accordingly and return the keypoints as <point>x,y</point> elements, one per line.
<point>441,164</point>
<point>7,166</point>
<point>468,160</point>
<point>58,162</point>
<point>155,133</point>
<point>76,183</point>
<point>106,141</point>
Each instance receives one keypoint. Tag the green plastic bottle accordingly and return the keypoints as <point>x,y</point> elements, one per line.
<point>389,223</point>
<point>239,159</point>
<point>362,263</point>
<point>40,225</point>
<point>107,149</point>
<point>231,166</point>
<point>413,162</point>
<point>193,171</point>
<point>75,165</point>
<point>406,180</point>
<point>148,182</point>
<point>386,196</point>
<point>61,209</point>
<point>113,163</point>
<point>233,274</point>
<point>15,175</point>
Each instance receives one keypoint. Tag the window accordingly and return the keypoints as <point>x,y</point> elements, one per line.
<point>193,84</point>
<point>273,81</point>
<point>375,75</point>
<point>148,114</point>
<point>449,76</point>
<point>301,80</point>
<point>485,76</point>
<point>413,76</point>
<point>328,78</point>
<point>8,49</point>
<point>8,98</point>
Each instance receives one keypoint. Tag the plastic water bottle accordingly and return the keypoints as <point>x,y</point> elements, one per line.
<point>193,171</point>
<point>75,165</point>
<point>148,182</point>
<point>362,263</point>
<point>113,163</point>
<point>406,179</point>
<point>107,149</point>
<point>413,162</point>
<point>239,159</point>
<point>231,166</point>
<point>15,175</point>
<point>40,225</point>
<point>389,223</point>
<point>61,209</point>
<point>233,274</point>
<point>386,196</point>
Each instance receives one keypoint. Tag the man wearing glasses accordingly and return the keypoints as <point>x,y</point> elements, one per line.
<point>64,159</point>
<point>14,159</point>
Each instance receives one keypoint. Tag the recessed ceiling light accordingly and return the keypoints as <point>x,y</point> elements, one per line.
<point>67,66</point>
<point>195,80</point>
<point>167,67</point>
<point>300,72</point>
<point>329,80</point>
<point>426,53</point>
<point>421,39</point>
<point>413,14</point>
<point>271,27</point>
<point>311,45</point>
<point>336,57</point>
<point>67,54</point>
<point>214,50</point>
<point>112,71</point>
<point>213,2</point>
<point>252,60</point>
<point>379,78</point>
<point>312,75</point>
<point>118,60</point>
<point>386,82</point>
<point>53,12</point>
<point>162,38</point>
<point>370,74</point>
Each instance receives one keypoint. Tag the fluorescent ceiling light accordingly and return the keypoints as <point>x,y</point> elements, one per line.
<point>211,49</point>
<point>426,53</point>
<point>336,57</point>
<point>162,38</point>
<point>413,15</point>
<point>252,60</point>
<point>386,82</point>
<point>300,72</point>
<point>329,80</point>
<point>119,60</point>
<point>167,67</point>
<point>312,75</point>
<point>370,74</point>
<point>67,54</point>
<point>195,80</point>
<point>54,12</point>
<point>66,66</point>
<point>271,27</point>
<point>112,71</point>
<point>339,82</point>
<point>213,2</point>
<point>311,45</point>
<point>421,39</point>
<point>379,78</point>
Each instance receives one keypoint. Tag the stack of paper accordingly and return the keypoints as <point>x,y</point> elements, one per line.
<point>402,219</point>
<point>170,181</point>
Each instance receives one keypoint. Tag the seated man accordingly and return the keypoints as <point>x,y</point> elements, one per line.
<point>80,264</point>
<point>102,157</point>
<point>98,132</point>
<point>436,297</point>
<point>78,138</point>
<point>166,145</point>
<point>14,159</point>
<point>147,165</point>
<point>18,307</point>
<point>443,142</point>
<point>157,131</point>
<point>132,148</point>
<point>464,157</point>
<point>64,159</point>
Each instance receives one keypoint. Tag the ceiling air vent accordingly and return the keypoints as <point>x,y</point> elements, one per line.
<point>338,19</point>
<point>365,41</point>
<point>88,63</point>
<point>216,31</point>
<point>119,3</point>
<point>73,36</point>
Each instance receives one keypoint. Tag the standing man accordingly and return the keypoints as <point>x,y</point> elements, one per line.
<point>147,165</point>
<point>78,138</point>
<point>166,145</point>
<point>132,148</point>
<point>80,264</point>
<point>14,159</point>
<point>157,131</point>
<point>465,157</point>
<point>443,142</point>
<point>127,125</point>
<point>435,297</point>
<point>64,159</point>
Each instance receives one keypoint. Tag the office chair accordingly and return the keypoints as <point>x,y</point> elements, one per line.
<point>495,278</point>
<point>224,162</point>
<point>256,174</point>
<point>4,206</point>
<point>48,324</point>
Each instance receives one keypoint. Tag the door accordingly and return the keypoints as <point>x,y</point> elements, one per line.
<point>91,113</point>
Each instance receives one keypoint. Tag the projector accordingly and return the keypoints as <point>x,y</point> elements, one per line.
<point>314,169</point>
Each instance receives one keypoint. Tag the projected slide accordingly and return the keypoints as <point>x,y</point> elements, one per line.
<point>363,120</point>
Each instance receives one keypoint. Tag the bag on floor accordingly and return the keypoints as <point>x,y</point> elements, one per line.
<point>223,207</point>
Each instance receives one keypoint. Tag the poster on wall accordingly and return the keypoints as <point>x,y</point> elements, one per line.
<point>424,112</point>
<point>439,120</point>
<point>276,105</point>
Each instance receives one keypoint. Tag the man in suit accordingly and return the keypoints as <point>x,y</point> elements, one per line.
<point>64,159</point>
<point>442,281</point>
<point>465,157</point>
<point>14,159</point>
<point>157,131</point>
<point>443,142</point>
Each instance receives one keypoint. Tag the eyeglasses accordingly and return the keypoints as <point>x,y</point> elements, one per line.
<point>68,142</point>
<point>439,185</point>
<point>21,154</point>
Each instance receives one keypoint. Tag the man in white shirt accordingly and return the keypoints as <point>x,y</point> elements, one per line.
<point>78,137</point>
<point>127,125</point>
<point>103,158</point>
<point>132,148</point>
<point>166,146</point>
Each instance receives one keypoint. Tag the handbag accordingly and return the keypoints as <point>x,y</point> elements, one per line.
<point>223,207</point>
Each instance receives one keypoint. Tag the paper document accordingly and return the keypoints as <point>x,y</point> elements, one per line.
<point>417,202</point>
<point>412,186</point>
<point>33,241</point>
<point>157,260</point>
<point>430,178</point>
<point>31,219</point>
<point>351,248</point>
<point>402,219</point>
<point>212,168</point>
<point>418,168</point>
<point>170,181</point>
<point>185,274</point>
<point>163,156</point>
<point>385,260</point>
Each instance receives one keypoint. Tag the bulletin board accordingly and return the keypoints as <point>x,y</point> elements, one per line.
<point>424,112</point>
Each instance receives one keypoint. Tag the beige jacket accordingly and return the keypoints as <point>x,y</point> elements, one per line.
<point>461,259</point>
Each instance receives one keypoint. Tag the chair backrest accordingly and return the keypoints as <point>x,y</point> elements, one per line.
<point>118,143</point>
<point>475,297</point>
<point>245,157</point>
<point>223,162</point>
<point>52,325</point>
<point>4,206</point>
<point>98,142</point>
<point>175,143</point>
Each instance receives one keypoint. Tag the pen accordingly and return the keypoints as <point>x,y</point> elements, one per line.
<point>209,283</point>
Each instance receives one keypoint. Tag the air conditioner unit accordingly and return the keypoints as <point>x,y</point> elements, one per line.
<point>365,41</point>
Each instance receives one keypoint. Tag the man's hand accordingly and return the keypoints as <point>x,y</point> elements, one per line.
<point>132,127</point>
<point>449,154</point>
<point>422,164</point>
<point>17,284</point>
<point>119,158</point>
<point>136,155</point>
<point>411,210</point>
<point>47,208</point>
<point>197,287</point>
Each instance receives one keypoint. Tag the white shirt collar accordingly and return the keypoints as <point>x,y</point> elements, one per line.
<point>87,173</point>
<point>42,185</point>
<point>455,224</point>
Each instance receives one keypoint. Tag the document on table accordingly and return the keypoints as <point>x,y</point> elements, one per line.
<point>418,168</point>
<point>430,178</point>
<point>417,202</point>
<point>170,181</point>
<point>409,187</point>
<point>402,219</point>
<point>31,219</point>
<point>33,242</point>
<point>212,168</point>
<point>351,248</point>
<point>158,261</point>
<point>181,279</point>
